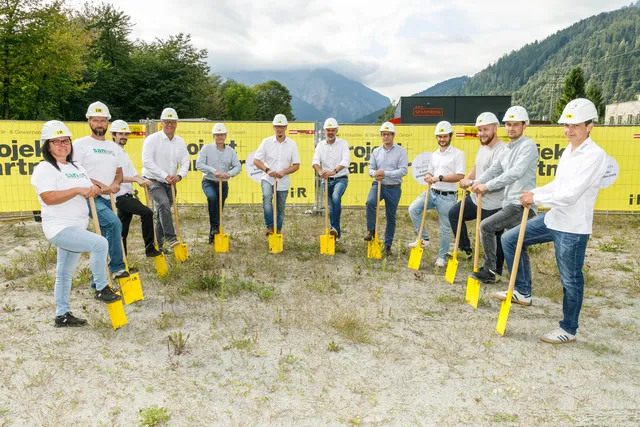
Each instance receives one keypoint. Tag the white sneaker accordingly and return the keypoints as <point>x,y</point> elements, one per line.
<point>440,262</point>
<point>517,297</point>
<point>558,336</point>
<point>423,244</point>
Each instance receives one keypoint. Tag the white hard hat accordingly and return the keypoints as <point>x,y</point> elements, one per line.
<point>53,129</point>
<point>169,114</point>
<point>388,127</point>
<point>331,123</point>
<point>280,120</point>
<point>219,128</point>
<point>487,118</point>
<point>98,109</point>
<point>579,111</point>
<point>119,126</point>
<point>516,114</point>
<point>443,128</point>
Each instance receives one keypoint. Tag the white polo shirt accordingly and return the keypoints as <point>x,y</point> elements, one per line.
<point>330,156</point>
<point>161,156</point>
<point>278,156</point>
<point>101,159</point>
<point>449,162</point>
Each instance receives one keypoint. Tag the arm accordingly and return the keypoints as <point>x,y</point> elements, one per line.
<point>466,181</point>
<point>184,162</point>
<point>115,185</point>
<point>201,163</point>
<point>57,197</point>
<point>525,159</point>
<point>373,164</point>
<point>236,167</point>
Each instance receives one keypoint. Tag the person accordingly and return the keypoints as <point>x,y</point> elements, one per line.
<point>127,204</point>
<point>277,156</point>
<point>103,161</point>
<point>515,172</point>
<point>331,162</point>
<point>162,153</point>
<point>446,168</point>
<point>388,164</point>
<point>568,224</point>
<point>490,148</point>
<point>217,162</point>
<point>63,187</point>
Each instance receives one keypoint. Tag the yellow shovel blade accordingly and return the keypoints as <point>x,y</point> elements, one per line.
<point>181,252</point>
<point>275,243</point>
<point>374,249</point>
<point>415,257</point>
<point>131,288</point>
<point>473,292</point>
<point>116,314</point>
<point>501,326</point>
<point>221,242</point>
<point>161,265</point>
<point>327,244</point>
<point>452,268</point>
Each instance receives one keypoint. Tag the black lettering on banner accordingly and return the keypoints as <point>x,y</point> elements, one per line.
<point>548,154</point>
<point>636,197</point>
<point>298,192</point>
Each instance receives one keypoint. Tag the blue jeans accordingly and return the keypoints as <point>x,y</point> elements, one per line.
<point>267,204</point>
<point>71,242</point>
<point>391,197</point>
<point>570,250</point>
<point>111,229</point>
<point>442,204</point>
<point>337,187</point>
<point>210,189</point>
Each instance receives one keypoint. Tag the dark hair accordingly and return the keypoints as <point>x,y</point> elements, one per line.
<point>588,122</point>
<point>48,157</point>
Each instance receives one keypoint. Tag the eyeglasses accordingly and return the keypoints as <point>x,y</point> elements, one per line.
<point>60,142</point>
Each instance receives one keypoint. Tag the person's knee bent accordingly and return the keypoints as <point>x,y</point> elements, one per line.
<point>101,245</point>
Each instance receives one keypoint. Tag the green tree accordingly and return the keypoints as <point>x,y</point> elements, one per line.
<point>387,114</point>
<point>594,94</point>
<point>272,98</point>
<point>239,101</point>
<point>574,87</point>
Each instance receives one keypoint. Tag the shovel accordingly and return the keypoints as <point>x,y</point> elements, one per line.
<point>327,241</point>
<point>275,239</point>
<point>415,257</point>
<point>116,309</point>
<point>131,286</point>
<point>220,240</point>
<point>374,248</point>
<point>160,261</point>
<point>452,265</point>
<point>506,304</point>
<point>181,251</point>
<point>473,285</point>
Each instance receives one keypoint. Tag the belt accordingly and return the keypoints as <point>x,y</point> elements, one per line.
<point>443,193</point>
<point>391,186</point>
<point>338,177</point>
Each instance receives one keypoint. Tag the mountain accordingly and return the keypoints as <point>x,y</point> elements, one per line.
<point>444,87</point>
<point>371,117</point>
<point>320,93</point>
<point>606,46</point>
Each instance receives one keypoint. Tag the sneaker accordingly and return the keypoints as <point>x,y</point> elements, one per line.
<point>369,236</point>
<point>120,274</point>
<point>484,275</point>
<point>518,298</point>
<point>423,243</point>
<point>269,231</point>
<point>69,319</point>
<point>558,336</point>
<point>153,253</point>
<point>440,262</point>
<point>107,295</point>
<point>334,233</point>
<point>173,243</point>
<point>387,251</point>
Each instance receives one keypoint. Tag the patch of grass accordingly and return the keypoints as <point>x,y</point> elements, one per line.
<point>229,287</point>
<point>245,344</point>
<point>82,277</point>
<point>22,265</point>
<point>622,267</point>
<point>178,343</point>
<point>9,308</point>
<point>42,378</point>
<point>503,417</point>
<point>41,282</point>
<point>351,327</point>
<point>168,320</point>
<point>333,347</point>
<point>449,299</point>
<point>613,246</point>
<point>601,349</point>
<point>154,416</point>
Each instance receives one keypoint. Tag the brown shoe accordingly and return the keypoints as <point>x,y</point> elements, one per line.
<point>387,251</point>
<point>269,231</point>
<point>370,235</point>
<point>334,232</point>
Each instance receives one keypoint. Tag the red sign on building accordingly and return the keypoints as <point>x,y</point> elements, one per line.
<point>419,110</point>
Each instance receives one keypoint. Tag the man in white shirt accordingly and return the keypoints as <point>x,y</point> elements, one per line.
<point>128,205</point>
<point>490,148</point>
<point>162,154</point>
<point>571,196</point>
<point>103,162</point>
<point>277,157</point>
<point>446,168</point>
<point>331,161</point>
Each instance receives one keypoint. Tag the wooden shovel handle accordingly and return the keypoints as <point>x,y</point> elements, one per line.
<point>476,255</point>
<point>94,215</point>
<point>150,206</point>
<point>275,205</point>
<point>220,201</point>
<point>424,212</point>
<point>175,210</point>
<point>464,197</point>
<point>516,258</point>
<point>326,205</point>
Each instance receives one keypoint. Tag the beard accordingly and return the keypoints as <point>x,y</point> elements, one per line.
<point>487,139</point>
<point>99,131</point>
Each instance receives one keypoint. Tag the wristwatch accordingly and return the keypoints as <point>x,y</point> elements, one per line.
<point>335,171</point>
<point>267,170</point>
<point>441,178</point>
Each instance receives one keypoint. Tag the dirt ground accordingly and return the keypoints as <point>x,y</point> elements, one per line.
<point>249,338</point>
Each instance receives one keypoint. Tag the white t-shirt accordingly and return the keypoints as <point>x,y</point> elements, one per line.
<point>449,162</point>
<point>484,159</point>
<point>100,159</point>
<point>278,156</point>
<point>127,170</point>
<point>72,213</point>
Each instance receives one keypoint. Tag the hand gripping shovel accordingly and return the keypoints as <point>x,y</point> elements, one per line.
<point>452,265</point>
<point>160,261</point>
<point>415,257</point>
<point>131,286</point>
<point>220,240</point>
<point>374,248</point>
<point>506,304</point>
<point>116,309</point>
<point>275,239</point>
<point>181,251</point>
<point>473,285</point>
<point>327,241</point>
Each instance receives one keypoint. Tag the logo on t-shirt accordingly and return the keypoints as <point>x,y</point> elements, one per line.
<point>104,151</point>
<point>74,175</point>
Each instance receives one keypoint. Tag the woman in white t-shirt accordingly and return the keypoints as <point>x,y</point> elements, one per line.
<point>63,188</point>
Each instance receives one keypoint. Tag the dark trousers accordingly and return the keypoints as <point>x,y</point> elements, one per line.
<point>211,189</point>
<point>128,206</point>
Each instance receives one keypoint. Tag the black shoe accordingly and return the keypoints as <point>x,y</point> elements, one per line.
<point>215,230</point>
<point>107,295</point>
<point>120,274</point>
<point>369,236</point>
<point>153,253</point>
<point>211,237</point>
<point>69,319</point>
<point>387,251</point>
<point>484,275</point>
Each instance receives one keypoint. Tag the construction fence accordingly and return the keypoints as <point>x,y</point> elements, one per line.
<point>21,151</point>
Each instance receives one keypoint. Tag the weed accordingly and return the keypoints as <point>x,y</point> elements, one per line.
<point>609,246</point>
<point>600,349</point>
<point>246,344</point>
<point>503,417</point>
<point>153,416</point>
<point>42,378</point>
<point>334,347</point>
<point>167,320</point>
<point>178,342</point>
<point>351,327</point>
<point>9,308</point>
<point>448,299</point>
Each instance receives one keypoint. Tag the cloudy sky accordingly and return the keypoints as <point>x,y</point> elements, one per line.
<point>396,47</point>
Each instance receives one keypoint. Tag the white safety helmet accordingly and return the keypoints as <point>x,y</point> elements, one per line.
<point>169,114</point>
<point>579,111</point>
<point>388,127</point>
<point>119,126</point>
<point>516,114</point>
<point>219,128</point>
<point>98,109</point>
<point>331,123</point>
<point>443,128</point>
<point>54,129</point>
<point>280,120</point>
<point>487,118</point>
